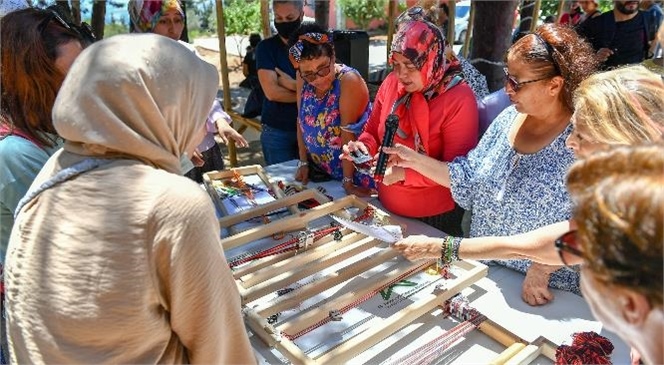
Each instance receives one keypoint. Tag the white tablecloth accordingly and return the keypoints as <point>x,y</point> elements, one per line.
<point>498,296</point>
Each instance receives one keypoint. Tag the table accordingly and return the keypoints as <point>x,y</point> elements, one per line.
<point>498,296</point>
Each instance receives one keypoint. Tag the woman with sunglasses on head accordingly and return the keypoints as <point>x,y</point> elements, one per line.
<point>37,51</point>
<point>333,107</point>
<point>514,179</point>
<point>166,18</point>
<point>437,115</point>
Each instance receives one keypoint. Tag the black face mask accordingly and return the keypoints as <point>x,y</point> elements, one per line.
<point>285,29</point>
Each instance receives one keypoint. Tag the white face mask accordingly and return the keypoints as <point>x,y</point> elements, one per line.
<point>185,163</point>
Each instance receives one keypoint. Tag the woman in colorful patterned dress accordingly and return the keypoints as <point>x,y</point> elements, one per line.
<point>333,106</point>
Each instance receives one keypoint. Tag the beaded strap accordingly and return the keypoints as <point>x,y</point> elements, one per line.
<point>449,249</point>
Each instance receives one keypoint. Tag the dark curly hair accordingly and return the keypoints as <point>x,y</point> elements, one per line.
<point>310,50</point>
<point>556,50</point>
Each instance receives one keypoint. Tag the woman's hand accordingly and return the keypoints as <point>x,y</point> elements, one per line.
<point>226,133</point>
<point>535,290</point>
<point>402,156</point>
<point>353,146</point>
<point>394,174</point>
<point>302,174</point>
<point>419,247</point>
<point>197,158</point>
<point>360,191</point>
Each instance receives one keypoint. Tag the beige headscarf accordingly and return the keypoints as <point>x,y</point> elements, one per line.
<point>135,96</point>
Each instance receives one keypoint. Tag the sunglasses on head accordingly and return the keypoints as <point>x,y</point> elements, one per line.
<point>312,76</point>
<point>569,250</point>
<point>84,30</point>
<point>517,85</point>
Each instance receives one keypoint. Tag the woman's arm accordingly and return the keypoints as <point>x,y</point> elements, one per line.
<point>352,104</point>
<point>405,157</point>
<point>536,245</point>
<point>302,172</point>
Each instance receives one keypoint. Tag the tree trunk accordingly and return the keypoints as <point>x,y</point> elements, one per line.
<point>322,13</point>
<point>76,11</point>
<point>526,19</point>
<point>491,39</point>
<point>185,32</point>
<point>98,18</point>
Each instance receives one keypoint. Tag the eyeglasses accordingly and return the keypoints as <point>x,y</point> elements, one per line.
<point>517,85</point>
<point>569,250</point>
<point>312,76</point>
<point>84,30</point>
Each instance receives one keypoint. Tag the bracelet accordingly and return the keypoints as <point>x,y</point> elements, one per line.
<point>346,180</point>
<point>302,163</point>
<point>449,249</point>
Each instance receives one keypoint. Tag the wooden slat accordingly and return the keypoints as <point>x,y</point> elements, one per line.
<point>379,329</point>
<point>286,278</point>
<point>315,315</point>
<point>297,261</point>
<point>272,260</point>
<point>284,225</point>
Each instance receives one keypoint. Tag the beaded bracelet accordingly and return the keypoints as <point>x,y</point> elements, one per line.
<point>449,249</point>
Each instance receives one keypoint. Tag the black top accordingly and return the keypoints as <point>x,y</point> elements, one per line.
<point>270,54</point>
<point>627,39</point>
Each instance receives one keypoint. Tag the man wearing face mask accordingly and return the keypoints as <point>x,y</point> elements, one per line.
<point>621,36</point>
<point>277,78</point>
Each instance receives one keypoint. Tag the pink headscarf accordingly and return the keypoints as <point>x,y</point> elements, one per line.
<point>145,14</point>
<point>423,44</point>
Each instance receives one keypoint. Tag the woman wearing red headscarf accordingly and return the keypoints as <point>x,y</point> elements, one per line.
<point>437,116</point>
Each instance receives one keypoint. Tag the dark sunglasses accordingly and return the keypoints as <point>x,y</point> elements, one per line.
<point>84,30</point>
<point>569,250</point>
<point>312,76</point>
<point>517,85</point>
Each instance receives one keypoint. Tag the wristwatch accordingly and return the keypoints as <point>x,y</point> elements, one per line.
<point>302,163</point>
<point>346,180</point>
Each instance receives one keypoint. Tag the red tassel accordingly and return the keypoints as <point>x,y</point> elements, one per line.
<point>586,348</point>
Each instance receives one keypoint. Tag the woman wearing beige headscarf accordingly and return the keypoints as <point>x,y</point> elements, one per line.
<point>115,258</point>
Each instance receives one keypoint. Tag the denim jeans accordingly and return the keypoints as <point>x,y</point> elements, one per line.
<point>278,146</point>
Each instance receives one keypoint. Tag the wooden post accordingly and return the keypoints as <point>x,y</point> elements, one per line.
<point>469,30</point>
<point>391,15</point>
<point>561,7</point>
<point>265,19</point>
<point>536,11</point>
<point>223,63</point>
<point>450,22</point>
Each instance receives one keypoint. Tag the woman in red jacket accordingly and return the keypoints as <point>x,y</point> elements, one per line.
<point>437,116</point>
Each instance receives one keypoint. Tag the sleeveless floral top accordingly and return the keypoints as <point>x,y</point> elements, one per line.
<point>320,122</point>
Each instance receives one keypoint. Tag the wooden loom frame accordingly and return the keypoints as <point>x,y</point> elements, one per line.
<point>229,220</point>
<point>267,275</point>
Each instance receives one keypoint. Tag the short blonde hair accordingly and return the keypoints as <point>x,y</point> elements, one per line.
<point>621,107</point>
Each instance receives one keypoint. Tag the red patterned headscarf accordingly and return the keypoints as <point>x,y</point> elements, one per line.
<point>424,44</point>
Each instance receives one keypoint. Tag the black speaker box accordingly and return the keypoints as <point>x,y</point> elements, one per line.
<point>352,48</point>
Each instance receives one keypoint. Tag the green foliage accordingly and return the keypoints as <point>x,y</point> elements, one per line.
<point>115,28</point>
<point>362,12</point>
<point>242,16</point>
<point>550,7</point>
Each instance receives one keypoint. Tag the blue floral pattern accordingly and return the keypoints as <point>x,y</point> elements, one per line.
<point>511,193</point>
